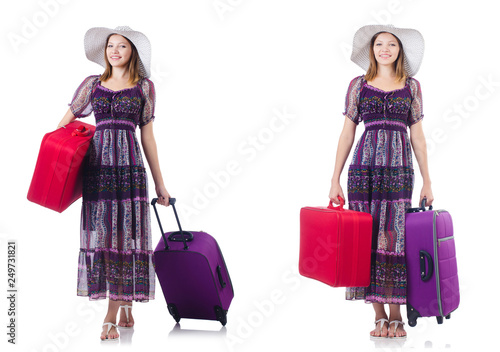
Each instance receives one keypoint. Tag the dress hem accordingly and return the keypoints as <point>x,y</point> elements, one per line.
<point>112,297</point>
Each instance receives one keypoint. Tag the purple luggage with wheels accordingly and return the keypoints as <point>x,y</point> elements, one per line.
<point>192,274</point>
<point>431,265</point>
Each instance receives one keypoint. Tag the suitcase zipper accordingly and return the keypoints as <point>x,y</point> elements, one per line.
<point>436,259</point>
<point>60,147</point>
<point>444,239</point>
<point>323,210</point>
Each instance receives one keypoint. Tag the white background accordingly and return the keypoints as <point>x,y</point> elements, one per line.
<point>223,71</point>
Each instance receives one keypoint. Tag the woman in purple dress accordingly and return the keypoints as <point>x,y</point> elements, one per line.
<point>380,180</point>
<point>116,256</point>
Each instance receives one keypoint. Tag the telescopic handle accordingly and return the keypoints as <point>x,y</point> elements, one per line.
<point>171,201</point>
<point>153,203</point>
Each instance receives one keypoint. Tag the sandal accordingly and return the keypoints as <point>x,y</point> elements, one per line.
<point>126,308</point>
<point>396,323</point>
<point>383,321</point>
<point>110,325</point>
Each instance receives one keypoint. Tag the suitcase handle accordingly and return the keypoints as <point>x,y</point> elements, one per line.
<point>421,208</point>
<point>80,131</point>
<point>174,236</point>
<point>340,207</point>
<point>426,257</point>
<point>219,274</point>
<point>171,237</point>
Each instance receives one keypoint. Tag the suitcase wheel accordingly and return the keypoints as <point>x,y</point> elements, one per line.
<point>448,316</point>
<point>172,309</point>
<point>439,320</point>
<point>221,315</point>
<point>412,315</point>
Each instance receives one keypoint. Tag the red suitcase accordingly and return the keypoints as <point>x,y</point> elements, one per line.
<point>335,245</point>
<point>57,180</point>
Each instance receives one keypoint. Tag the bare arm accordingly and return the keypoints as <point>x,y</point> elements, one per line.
<point>150,150</point>
<point>68,117</point>
<point>419,145</point>
<point>346,141</point>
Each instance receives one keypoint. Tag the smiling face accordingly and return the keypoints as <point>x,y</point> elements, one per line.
<point>118,51</point>
<point>386,49</point>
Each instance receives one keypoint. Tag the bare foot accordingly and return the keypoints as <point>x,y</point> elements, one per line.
<point>112,334</point>
<point>396,328</point>
<point>126,318</point>
<point>381,328</point>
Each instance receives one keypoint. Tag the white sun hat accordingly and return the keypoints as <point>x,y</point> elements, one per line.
<point>412,40</point>
<point>95,40</point>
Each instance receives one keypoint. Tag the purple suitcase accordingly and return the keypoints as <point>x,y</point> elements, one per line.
<point>431,265</point>
<point>192,274</point>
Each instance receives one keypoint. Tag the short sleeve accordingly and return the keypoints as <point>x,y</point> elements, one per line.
<point>352,100</point>
<point>416,112</point>
<point>149,96</point>
<point>80,104</point>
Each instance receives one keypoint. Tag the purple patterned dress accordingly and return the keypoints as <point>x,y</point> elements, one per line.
<point>380,180</point>
<point>116,257</point>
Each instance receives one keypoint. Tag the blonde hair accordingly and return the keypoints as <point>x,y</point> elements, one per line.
<point>133,64</point>
<point>401,74</point>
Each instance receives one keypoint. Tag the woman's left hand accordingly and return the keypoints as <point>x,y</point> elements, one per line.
<point>163,195</point>
<point>426,193</point>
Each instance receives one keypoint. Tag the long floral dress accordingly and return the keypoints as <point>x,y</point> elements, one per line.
<point>381,179</point>
<point>116,257</point>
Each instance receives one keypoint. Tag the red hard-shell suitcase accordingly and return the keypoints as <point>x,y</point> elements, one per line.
<point>57,180</point>
<point>335,245</point>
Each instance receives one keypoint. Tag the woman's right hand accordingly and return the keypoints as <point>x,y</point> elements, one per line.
<point>335,192</point>
<point>163,195</point>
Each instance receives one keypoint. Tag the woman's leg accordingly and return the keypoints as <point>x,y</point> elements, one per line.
<point>123,315</point>
<point>382,327</point>
<point>395,314</point>
<point>111,318</point>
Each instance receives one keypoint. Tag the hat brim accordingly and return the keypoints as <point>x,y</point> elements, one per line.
<point>95,41</point>
<point>412,40</point>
